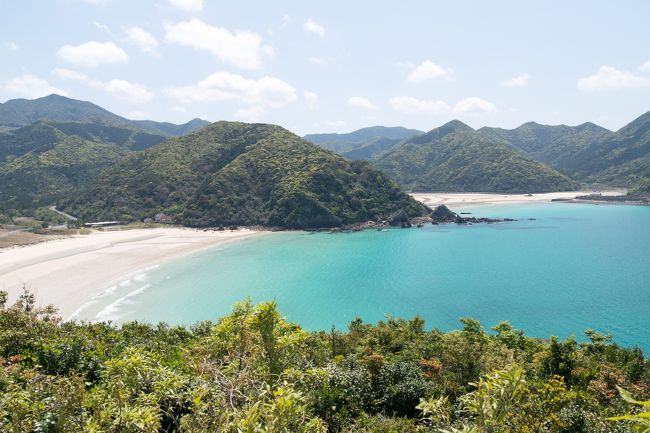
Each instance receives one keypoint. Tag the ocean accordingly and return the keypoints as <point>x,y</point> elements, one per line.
<point>558,270</point>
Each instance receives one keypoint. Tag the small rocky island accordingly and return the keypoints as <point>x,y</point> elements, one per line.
<point>443,215</point>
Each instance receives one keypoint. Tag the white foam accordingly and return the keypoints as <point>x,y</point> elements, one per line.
<point>92,301</point>
<point>111,310</point>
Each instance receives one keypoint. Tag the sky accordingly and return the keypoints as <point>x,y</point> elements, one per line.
<point>335,66</point>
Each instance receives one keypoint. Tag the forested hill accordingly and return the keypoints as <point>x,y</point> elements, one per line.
<point>56,108</point>
<point>244,174</point>
<point>588,153</point>
<point>47,161</point>
<point>254,371</point>
<point>363,143</point>
<point>454,157</point>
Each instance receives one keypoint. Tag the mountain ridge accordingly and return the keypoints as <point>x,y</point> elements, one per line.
<point>15,113</point>
<point>244,174</point>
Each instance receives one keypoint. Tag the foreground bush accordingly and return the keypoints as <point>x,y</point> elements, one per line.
<point>252,371</point>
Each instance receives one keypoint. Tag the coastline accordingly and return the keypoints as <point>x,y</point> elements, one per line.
<point>67,272</point>
<point>459,199</point>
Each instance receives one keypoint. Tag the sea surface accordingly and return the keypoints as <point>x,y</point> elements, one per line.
<point>572,267</point>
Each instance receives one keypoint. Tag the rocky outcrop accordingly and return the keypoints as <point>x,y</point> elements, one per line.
<point>442,214</point>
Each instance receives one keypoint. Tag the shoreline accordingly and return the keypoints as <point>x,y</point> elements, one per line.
<point>468,199</point>
<point>68,272</point>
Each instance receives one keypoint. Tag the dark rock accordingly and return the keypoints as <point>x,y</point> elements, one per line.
<point>442,214</point>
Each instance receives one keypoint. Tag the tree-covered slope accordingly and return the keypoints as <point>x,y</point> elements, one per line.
<point>455,158</point>
<point>363,143</point>
<point>588,153</point>
<point>236,173</point>
<point>55,108</point>
<point>42,163</point>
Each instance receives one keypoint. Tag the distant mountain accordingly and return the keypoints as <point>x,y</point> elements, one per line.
<point>363,143</point>
<point>237,173</point>
<point>587,153</point>
<point>454,157</point>
<point>22,112</point>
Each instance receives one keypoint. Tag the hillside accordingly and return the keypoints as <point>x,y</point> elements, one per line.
<point>55,108</point>
<point>454,157</point>
<point>587,153</point>
<point>246,174</point>
<point>363,143</point>
<point>43,162</point>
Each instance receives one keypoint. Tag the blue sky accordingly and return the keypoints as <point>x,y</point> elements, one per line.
<point>336,65</point>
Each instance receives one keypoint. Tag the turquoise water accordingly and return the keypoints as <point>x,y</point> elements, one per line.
<point>574,267</point>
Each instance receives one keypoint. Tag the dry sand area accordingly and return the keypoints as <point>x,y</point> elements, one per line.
<point>64,272</point>
<point>456,199</point>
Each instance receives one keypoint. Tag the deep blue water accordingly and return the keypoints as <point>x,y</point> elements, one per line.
<point>574,267</point>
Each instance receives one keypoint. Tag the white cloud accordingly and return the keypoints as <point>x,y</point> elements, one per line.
<point>102,27</point>
<point>428,70</point>
<point>518,81</point>
<point>336,123</point>
<point>221,86</point>
<point>250,114</point>
<point>646,66</point>
<point>313,27</point>
<point>137,115</point>
<point>187,5</point>
<point>474,105</point>
<point>12,46</point>
<point>608,78</point>
<point>92,54</point>
<point>311,98</point>
<point>141,38</point>
<point>96,2</point>
<point>70,75</point>
<point>286,20</point>
<point>132,92</point>
<point>268,50</point>
<point>361,102</point>
<point>241,48</point>
<point>30,86</point>
<point>122,89</point>
<point>317,60</point>
<point>411,105</point>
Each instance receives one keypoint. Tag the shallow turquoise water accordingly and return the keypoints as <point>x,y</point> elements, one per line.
<point>574,267</point>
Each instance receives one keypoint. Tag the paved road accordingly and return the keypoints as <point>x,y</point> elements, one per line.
<point>68,216</point>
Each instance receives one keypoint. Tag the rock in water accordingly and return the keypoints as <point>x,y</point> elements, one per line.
<point>442,214</point>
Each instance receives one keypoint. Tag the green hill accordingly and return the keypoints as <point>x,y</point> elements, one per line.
<point>363,143</point>
<point>247,174</point>
<point>588,153</point>
<point>55,108</point>
<point>456,158</point>
<point>43,162</point>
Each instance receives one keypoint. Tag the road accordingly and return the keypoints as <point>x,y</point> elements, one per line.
<point>68,216</point>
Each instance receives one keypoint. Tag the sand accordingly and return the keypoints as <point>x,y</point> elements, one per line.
<point>66,272</point>
<point>455,199</point>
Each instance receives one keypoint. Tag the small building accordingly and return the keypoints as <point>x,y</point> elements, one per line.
<point>164,218</point>
<point>103,224</point>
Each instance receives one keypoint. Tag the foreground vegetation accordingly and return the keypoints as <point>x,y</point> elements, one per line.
<point>252,371</point>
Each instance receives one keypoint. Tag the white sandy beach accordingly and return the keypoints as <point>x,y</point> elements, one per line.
<point>459,199</point>
<point>65,272</point>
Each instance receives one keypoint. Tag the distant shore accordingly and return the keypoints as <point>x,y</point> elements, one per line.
<point>459,199</point>
<point>65,272</point>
